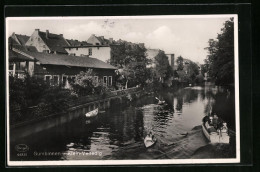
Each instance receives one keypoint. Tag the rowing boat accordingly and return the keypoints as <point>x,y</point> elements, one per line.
<point>92,113</point>
<point>215,136</point>
<point>148,141</point>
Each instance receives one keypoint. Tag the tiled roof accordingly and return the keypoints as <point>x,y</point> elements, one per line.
<point>22,39</point>
<point>54,42</point>
<point>25,48</point>
<point>76,42</point>
<point>66,60</point>
<point>14,56</point>
<point>103,41</point>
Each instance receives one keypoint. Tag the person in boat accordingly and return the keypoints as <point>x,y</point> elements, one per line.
<point>223,127</point>
<point>209,123</point>
<point>215,121</point>
<point>150,136</point>
<point>205,119</point>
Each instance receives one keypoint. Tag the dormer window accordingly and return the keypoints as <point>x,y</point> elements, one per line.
<point>97,43</point>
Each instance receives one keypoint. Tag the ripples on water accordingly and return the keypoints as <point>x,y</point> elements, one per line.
<point>119,132</point>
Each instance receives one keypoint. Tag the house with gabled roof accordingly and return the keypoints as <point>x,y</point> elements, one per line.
<point>99,40</point>
<point>48,42</point>
<point>95,47</point>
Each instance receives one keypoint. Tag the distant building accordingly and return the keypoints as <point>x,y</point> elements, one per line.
<point>101,52</point>
<point>48,42</point>
<point>75,42</point>
<point>95,47</point>
<point>171,59</point>
<point>99,40</point>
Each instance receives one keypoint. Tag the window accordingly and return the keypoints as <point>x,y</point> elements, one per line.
<point>97,43</point>
<point>110,80</point>
<point>47,78</point>
<point>73,78</point>
<point>105,80</point>
<point>64,79</point>
<point>96,78</point>
<point>55,79</point>
<point>45,51</point>
<point>90,51</point>
<point>77,48</point>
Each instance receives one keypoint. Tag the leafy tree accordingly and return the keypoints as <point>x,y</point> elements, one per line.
<point>162,67</point>
<point>84,83</point>
<point>180,63</point>
<point>193,70</point>
<point>118,55</point>
<point>132,59</point>
<point>221,55</point>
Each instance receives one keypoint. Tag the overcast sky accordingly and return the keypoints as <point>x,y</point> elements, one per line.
<point>182,36</point>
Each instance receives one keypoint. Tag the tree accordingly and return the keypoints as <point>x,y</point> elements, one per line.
<point>193,70</point>
<point>221,55</point>
<point>162,68</point>
<point>180,63</point>
<point>132,59</point>
<point>84,83</point>
<point>118,55</point>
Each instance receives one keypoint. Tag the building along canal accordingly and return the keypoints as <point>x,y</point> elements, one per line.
<point>118,133</point>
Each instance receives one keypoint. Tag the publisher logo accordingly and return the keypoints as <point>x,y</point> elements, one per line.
<point>21,148</point>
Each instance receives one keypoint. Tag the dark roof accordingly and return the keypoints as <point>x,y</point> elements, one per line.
<point>79,46</point>
<point>54,42</point>
<point>14,56</point>
<point>66,60</point>
<point>25,48</point>
<point>102,40</point>
<point>77,43</point>
<point>22,39</point>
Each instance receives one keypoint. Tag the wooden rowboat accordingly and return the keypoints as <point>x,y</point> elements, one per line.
<point>214,136</point>
<point>160,102</point>
<point>148,142</point>
<point>92,113</point>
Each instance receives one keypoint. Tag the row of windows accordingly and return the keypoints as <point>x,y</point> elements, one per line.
<point>54,79</point>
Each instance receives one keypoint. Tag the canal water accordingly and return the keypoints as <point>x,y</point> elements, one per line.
<point>118,133</point>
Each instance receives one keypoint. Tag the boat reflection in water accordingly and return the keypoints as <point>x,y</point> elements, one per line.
<point>119,132</point>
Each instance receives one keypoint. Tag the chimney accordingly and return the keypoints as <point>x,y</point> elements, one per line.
<point>37,30</point>
<point>92,34</point>
<point>61,34</point>
<point>111,40</point>
<point>102,37</point>
<point>47,34</point>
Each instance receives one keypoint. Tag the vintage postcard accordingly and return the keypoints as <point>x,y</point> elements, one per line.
<point>122,90</point>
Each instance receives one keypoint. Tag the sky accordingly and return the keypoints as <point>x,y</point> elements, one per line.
<point>181,35</point>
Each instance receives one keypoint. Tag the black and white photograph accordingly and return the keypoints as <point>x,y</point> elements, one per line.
<point>122,90</point>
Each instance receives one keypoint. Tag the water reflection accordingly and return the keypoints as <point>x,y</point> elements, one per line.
<point>118,133</point>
